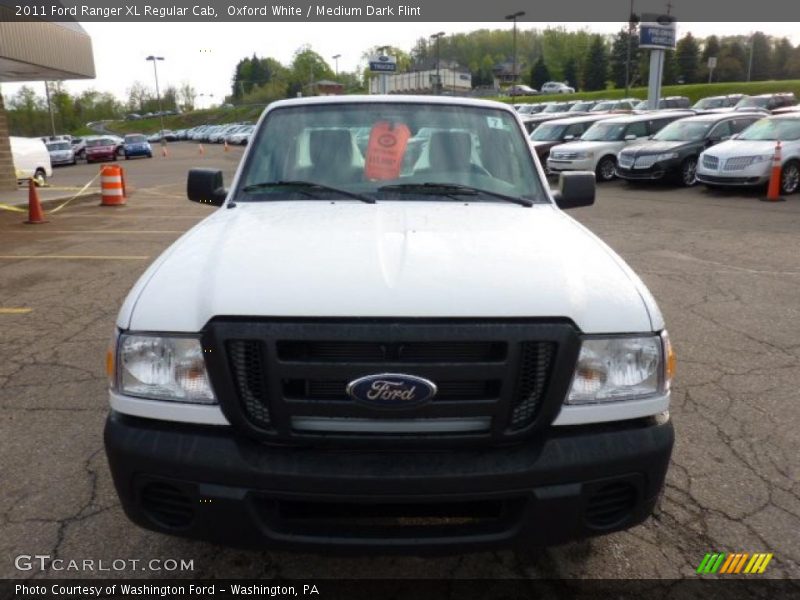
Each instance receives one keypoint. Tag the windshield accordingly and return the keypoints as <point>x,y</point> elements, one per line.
<point>408,144</point>
<point>99,142</point>
<point>684,131</point>
<point>604,106</point>
<point>135,139</point>
<point>548,132</point>
<point>709,103</point>
<point>604,132</point>
<point>581,106</point>
<point>59,146</point>
<point>556,108</point>
<point>772,129</point>
<point>753,102</point>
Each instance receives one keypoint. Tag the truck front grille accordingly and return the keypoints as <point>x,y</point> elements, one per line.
<point>288,381</point>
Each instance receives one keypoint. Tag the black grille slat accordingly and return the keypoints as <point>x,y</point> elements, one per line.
<point>610,504</point>
<point>535,366</point>
<point>167,505</point>
<point>313,389</point>
<point>247,364</point>
<point>347,351</point>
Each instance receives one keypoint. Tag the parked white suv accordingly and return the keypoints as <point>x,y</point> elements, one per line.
<point>597,149</point>
<point>746,160</point>
<point>354,334</point>
<point>556,87</point>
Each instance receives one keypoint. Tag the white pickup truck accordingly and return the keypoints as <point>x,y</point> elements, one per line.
<point>389,342</point>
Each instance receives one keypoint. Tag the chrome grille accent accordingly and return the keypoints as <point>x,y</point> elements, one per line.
<point>710,162</point>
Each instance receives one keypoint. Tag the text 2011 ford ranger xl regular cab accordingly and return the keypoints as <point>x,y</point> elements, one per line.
<point>390,338</point>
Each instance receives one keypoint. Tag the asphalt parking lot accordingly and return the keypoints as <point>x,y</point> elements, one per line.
<point>724,267</point>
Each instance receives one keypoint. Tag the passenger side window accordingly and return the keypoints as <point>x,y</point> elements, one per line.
<point>741,124</point>
<point>657,125</point>
<point>720,131</point>
<point>576,129</point>
<point>639,129</point>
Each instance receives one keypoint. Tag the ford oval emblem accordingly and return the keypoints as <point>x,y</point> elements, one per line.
<point>391,390</point>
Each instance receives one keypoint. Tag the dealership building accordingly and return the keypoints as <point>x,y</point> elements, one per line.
<point>37,51</point>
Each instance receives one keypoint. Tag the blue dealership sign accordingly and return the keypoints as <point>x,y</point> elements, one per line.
<point>657,32</point>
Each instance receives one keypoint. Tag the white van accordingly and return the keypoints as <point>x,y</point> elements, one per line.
<point>31,159</point>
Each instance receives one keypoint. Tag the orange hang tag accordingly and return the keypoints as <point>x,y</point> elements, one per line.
<point>385,150</point>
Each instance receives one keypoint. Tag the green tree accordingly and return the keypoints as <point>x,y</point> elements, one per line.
<point>761,57</point>
<point>732,63</point>
<point>187,95</point>
<point>687,57</point>
<point>619,58</point>
<point>539,74</point>
<point>595,67</point>
<point>571,73</point>
<point>306,68</point>
<point>781,59</point>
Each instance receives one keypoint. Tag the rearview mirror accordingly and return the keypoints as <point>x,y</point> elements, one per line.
<point>205,186</point>
<point>575,188</point>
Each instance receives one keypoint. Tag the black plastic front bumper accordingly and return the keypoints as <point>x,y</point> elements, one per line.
<point>207,483</point>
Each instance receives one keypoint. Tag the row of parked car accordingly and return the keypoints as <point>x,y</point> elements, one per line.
<point>719,146</point>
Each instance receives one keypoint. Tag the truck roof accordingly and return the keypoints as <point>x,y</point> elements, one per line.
<point>393,99</point>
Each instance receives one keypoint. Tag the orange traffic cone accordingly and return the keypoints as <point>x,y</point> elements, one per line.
<point>35,212</point>
<point>112,186</point>
<point>774,188</point>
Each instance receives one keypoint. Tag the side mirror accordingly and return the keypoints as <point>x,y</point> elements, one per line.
<point>205,186</point>
<point>630,137</point>
<point>575,188</point>
<point>569,138</point>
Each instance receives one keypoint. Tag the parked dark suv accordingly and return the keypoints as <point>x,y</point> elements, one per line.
<point>767,102</point>
<point>666,103</point>
<point>673,151</point>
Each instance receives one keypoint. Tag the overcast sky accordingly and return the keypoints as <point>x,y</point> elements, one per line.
<point>205,54</point>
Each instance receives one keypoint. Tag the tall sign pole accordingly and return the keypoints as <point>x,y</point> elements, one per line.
<point>658,33</point>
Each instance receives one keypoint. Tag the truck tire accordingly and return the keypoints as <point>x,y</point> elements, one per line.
<point>605,168</point>
<point>790,177</point>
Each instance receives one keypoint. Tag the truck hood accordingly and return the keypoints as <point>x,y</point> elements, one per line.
<point>390,259</point>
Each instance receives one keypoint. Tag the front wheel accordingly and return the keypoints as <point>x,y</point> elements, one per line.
<point>790,177</point>
<point>689,172</point>
<point>605,168</point>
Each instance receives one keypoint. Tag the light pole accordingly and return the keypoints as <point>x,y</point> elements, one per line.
<point>437,37</point>
<point>155,59</point>
<point>336,57</point>
<point>631,18</point>
<point>750,61</point>
<point>50,108</point>
<point>514,17</point>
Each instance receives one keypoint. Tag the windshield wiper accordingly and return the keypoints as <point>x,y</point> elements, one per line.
<point>450,189</point>
<point>308,186</point>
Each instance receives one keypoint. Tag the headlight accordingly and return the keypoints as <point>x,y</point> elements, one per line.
<point>666,156</point>
<point>163,368</point>
<point>583,155</point>
<point>761,158</point>
<point>621,368</point>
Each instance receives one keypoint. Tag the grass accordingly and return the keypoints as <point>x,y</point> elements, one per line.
<point>693,91</point>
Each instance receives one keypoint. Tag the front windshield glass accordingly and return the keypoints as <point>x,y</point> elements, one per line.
<point>135,139</point>
<point>754,102</point>
<point>604,132</point>
<point>99,142</point>
<point>408,145</point>
<point>556,108</point>
<point>548,132</point>
<point>684,131</point>
<point>772,129</point>
<point>59,146</point>
<point>706,103</point>
<point>581,106</point>
<point>604,106</point>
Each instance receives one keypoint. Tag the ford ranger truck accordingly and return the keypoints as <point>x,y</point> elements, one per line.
<point>389,338</point>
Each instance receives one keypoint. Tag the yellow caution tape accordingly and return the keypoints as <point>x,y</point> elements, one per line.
<point>60,206</point>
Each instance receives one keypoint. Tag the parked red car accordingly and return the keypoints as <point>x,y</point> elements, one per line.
<point>101,149</point>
